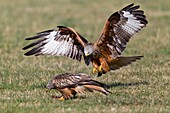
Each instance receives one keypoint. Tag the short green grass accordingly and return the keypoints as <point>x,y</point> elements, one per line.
<point>141,87</point>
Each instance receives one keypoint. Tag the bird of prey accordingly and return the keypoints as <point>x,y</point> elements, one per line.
<point>105,53</point>
<point>70,84</point>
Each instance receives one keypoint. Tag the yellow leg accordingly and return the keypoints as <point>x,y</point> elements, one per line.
<point>61,98</point>
<point>100,69</point>
<point>94,70</point>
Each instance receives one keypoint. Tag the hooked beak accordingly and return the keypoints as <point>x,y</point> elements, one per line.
<point>86,54</point>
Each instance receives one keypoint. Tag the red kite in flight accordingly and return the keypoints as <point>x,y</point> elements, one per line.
<point>105,53</point>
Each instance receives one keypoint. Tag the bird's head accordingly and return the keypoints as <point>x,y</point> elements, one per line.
<point>50,85</point>
<point>88,49</point>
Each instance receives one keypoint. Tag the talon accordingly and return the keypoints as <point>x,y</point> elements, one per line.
<point>99,74</point>
<point>94,70</point>
<point>100,69</point>
<point>61,98</point>
<point>47,90</point>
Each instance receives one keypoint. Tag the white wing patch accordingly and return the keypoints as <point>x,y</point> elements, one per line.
<point>132,26</point>
<point>59,42</point>
<point>60,45</point>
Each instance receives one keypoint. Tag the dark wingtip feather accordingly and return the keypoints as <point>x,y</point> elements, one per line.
<point>29,46</point>
<point>140,12</point>
<point>45,32</point>
<point>32,44</point>
<point>61,26</point>
<point>134,8</point>
<point>144,21</point>
<point>32,38</point>
<point>33,51</point>
<point>127,7</point>
<point>24,48</point>
<point>36,37</point>
<point>141,18</point>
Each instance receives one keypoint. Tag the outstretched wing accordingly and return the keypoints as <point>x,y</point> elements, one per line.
<point>119,28</point>
<point>62,41</point>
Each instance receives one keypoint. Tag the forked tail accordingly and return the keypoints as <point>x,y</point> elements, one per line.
<point>98,86</point>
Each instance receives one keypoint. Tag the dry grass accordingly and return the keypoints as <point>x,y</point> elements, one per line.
<point>140,87</point>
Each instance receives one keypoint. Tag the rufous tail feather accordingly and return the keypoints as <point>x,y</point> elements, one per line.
<point>123,61</point>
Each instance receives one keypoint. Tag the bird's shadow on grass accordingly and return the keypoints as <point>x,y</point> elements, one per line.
<point>119,84</point>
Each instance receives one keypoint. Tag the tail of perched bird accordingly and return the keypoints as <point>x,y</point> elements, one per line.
<point>123,61</point>
<point>97,86</point>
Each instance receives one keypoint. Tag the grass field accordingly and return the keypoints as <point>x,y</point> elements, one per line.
<point>141,87</point>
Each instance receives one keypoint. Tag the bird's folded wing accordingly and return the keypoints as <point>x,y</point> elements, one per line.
<point>68,80</point>
<point>62,41</point>
<point>119,28</point>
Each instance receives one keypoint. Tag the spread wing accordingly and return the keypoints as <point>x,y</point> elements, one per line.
<point>62,41</point>
<point>119,28</point>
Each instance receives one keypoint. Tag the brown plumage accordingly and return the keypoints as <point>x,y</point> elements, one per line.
<point>70,84</point>
<point>105,53</point>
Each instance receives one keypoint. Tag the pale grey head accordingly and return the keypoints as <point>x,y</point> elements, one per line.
<point>50,86</point>
<point>88,49</point>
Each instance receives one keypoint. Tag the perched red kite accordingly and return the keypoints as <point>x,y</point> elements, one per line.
<point>105,53</point>
<point>71,84</point>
